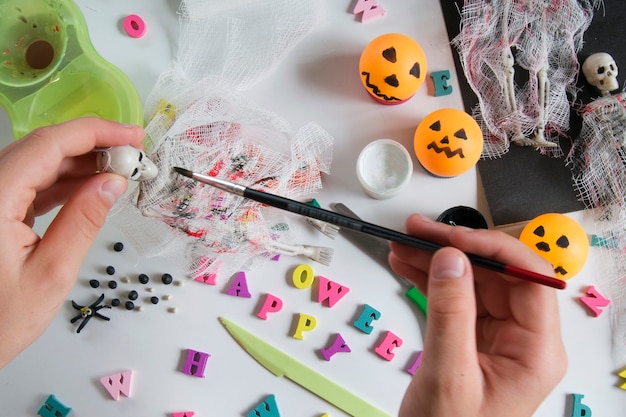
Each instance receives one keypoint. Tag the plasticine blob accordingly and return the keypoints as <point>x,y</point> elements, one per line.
<point>392,68</point>
<point>448,142</point>
<point>560,240</point>
<point>50,72</point>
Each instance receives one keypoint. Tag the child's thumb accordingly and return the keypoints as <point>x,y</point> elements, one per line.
<point>70,235</point>
<point>451,324</point>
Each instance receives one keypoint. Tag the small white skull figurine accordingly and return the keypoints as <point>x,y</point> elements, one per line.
<point>129,162</point>
<point>601,71</point>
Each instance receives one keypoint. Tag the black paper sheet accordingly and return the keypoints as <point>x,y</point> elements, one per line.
<point>523,183</point>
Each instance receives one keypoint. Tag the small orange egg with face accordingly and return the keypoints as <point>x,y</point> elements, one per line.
<point>448,142</point>
<point>392,68</point>
<point>560,240</point>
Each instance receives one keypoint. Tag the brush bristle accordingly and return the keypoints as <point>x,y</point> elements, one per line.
<point>183,171</point>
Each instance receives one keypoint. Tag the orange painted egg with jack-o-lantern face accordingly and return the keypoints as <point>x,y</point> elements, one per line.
<point>448,142</point>
<point>392,68</point>
<point>560,240</point>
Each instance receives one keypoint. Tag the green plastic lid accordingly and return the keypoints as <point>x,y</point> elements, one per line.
<point>50,71</point>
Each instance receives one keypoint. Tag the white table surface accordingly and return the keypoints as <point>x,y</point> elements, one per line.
<point>318,81</point>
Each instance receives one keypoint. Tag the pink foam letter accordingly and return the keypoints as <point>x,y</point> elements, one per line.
<point>118,383</point>
<point>203,276</point>
<point>370,9</point>
<point>387,346</point>
<point>594,301</point>
<point>330,291</point>
<point>272,304</point>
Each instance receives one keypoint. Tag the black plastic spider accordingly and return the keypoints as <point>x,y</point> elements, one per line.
<point>87,312</point>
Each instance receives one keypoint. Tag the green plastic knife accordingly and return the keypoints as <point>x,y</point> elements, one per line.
<point>281,364</point>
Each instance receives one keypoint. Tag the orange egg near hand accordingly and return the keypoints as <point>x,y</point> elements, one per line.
<point>448,142</point>
<point>392,68</point>
<point>560,240</point>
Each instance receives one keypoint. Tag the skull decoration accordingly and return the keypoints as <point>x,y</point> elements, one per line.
<point>601,71</point>
<point>129,162</point>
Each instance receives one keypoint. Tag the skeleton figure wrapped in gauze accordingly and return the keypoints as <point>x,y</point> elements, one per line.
<point>541,37</point>
<point>599,173</point>
<point>200,120</point>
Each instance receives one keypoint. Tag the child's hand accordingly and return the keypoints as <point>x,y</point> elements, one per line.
<point>493,343</point>
<point>51,166</point>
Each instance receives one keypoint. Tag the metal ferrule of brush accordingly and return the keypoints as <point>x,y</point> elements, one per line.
<point>217,183</point>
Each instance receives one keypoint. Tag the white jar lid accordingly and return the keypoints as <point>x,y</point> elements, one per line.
<point>384,168</point>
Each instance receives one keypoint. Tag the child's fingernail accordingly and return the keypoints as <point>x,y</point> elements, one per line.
<point>448,266</point>
<point>113,189</point>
